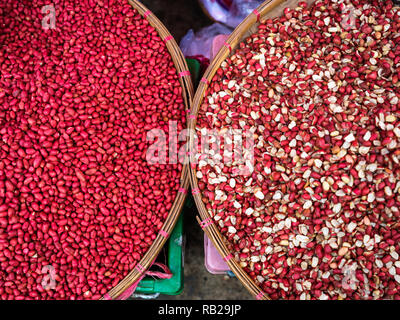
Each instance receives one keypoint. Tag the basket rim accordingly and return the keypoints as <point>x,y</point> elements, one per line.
<point>187,93</point>
<point>211,230</point>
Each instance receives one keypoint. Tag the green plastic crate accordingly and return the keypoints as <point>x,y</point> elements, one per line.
<point>174,285</point>
<point>194,68</point>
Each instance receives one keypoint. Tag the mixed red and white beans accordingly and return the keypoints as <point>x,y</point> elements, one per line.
<point>318,216</point>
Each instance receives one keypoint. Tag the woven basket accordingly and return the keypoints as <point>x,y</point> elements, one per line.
<point>269,9</point>
<point>185,79</point>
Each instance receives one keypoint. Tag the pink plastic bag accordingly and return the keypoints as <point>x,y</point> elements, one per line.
<point>200,43</point>
<point>229,12</point>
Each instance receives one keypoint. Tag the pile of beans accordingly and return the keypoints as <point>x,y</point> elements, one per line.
<point>79,204</point>
<point>318,216</point>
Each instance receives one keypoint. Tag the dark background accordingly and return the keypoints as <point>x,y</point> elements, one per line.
<point>179,16</point>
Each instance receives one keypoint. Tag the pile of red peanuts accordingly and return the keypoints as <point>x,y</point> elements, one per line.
<point>81,83</point>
